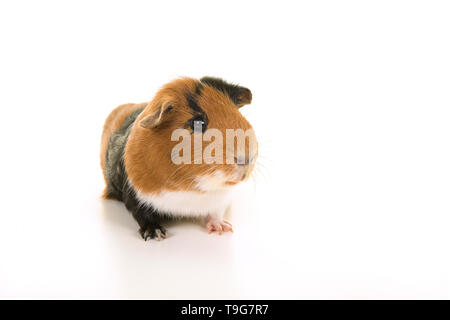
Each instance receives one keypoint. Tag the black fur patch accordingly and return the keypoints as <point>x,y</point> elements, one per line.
<point>233,91</point>
<point>198,114</point>
<point>118,187</point>
<point>192,103</point>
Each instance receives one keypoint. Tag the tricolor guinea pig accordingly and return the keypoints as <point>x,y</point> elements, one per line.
<point>157,176</point>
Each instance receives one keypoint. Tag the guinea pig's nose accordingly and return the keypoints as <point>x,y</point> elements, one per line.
<point>242,161</point>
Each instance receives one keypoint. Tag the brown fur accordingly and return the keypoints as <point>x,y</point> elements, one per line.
<point>148,150</point>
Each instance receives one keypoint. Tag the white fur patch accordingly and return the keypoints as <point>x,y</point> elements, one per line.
<point>212,182</point>
<point>213,198</point>
<point>189,203</point>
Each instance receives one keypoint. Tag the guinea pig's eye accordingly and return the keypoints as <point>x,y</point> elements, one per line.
<point>198,124</point>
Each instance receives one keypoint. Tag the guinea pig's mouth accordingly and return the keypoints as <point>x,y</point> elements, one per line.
<point>231,182</point>
<point>237,179</point>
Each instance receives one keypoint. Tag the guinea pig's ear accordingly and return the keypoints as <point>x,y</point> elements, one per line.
<point>239,95</point>
<point>243,97</point>
<point>156,117</point>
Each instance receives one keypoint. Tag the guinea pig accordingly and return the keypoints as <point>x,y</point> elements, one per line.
<point>140,142</point>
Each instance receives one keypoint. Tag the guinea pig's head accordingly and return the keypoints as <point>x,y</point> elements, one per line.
<point>192,137</point>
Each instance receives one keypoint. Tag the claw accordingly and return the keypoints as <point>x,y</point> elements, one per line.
<point>228,223</point>
<point>152,232</point>
<point>219,226</point>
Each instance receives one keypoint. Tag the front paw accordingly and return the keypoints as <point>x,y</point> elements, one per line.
<point>218,226</point>
<point>153,231</point>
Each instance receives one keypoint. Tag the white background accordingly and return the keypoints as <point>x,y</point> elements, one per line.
<point>352,111</point>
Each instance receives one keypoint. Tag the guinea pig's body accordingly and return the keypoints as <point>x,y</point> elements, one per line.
<point>137,150</point>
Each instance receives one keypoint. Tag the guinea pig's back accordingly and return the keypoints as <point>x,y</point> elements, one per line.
<point>112,124</point>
